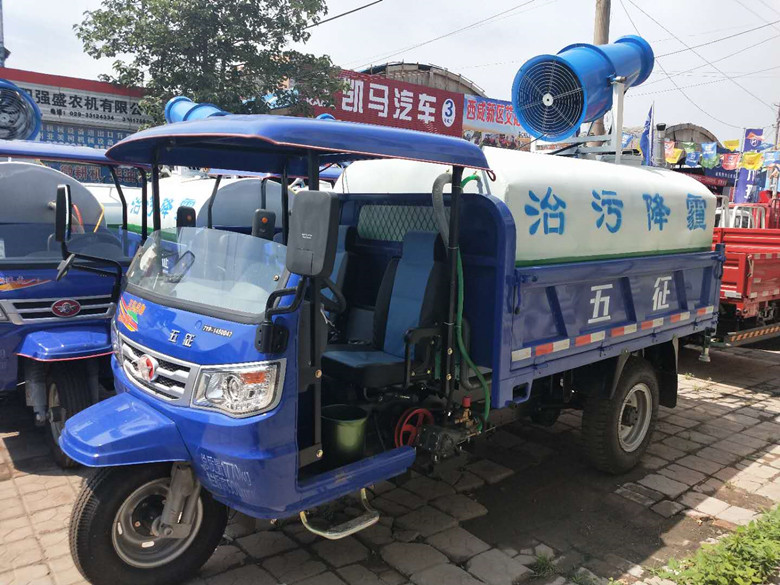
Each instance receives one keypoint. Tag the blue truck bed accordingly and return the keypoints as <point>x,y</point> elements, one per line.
<point>567,315</point>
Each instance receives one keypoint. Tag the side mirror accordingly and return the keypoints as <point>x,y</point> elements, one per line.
<point>64,267</point>
<point>263,224</point>
<point>185,217</point>
<point>313,236</point>
<point>62,214</point>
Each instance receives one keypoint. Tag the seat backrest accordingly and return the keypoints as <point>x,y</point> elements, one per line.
<point>412,293</point>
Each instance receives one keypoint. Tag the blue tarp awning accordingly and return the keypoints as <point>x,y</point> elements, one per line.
<point>265,143</point>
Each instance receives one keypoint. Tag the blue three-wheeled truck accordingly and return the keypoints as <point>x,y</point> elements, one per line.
<point>245,364</point>
<point>55,334</point>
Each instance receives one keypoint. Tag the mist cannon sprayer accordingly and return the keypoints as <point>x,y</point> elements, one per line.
<point>182,109</point>
<point>553,95</point>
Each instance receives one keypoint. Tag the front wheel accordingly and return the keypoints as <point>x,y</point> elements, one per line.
<point>111,529</point>
<point>617,430</point>
<point>67,393</point>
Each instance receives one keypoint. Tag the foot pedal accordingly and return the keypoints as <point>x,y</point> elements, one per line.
<point>348,528</point>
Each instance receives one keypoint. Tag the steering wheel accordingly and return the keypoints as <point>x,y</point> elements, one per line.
<point>336,305</point>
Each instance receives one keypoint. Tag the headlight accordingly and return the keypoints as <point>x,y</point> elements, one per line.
<point>3,315</point>
<point>240,391</point>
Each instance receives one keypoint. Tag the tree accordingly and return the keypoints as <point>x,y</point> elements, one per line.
<point>227,52</point>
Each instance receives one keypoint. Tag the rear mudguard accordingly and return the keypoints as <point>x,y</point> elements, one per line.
<point>122,431</point>
<point>67,343</point>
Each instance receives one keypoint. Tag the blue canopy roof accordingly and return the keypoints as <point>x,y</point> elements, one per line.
<point>265,143</point>
<point>329,173</point>
<point>55,152</point>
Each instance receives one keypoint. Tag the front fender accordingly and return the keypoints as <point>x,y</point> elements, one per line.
<point>122,430</point>
<point>67,343</point>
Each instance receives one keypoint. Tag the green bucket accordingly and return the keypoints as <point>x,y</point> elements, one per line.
<point>343,433</point>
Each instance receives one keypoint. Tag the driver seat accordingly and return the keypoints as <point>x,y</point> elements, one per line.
<point>412,295</point>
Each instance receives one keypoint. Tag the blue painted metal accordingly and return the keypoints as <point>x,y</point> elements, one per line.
<point>55,152</point>
<point>594,67</point>
<point>266,143</point>
<point>122,430</point>
<point>41,339</point>
<point>181,109</point>
<point>64,343</point>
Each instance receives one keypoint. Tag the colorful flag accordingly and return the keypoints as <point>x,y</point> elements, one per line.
<point>732,145</point>
<point>692,158</point>
<point>753,139</point>
<point>646,140</point>
<point>709,155</point>
<point>688,147</point>
<point>626,139</point>
<point>771,157</point>
<point>752,160</point>
<point>729,161</point>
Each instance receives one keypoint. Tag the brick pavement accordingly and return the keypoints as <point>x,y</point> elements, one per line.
<point>516,498</point>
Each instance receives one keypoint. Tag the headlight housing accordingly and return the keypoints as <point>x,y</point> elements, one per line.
<point>3,316</point>
<point>240,391</point>
<point>115,343</point>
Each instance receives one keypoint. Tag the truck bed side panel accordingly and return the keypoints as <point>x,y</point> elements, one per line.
<point>566,315</point>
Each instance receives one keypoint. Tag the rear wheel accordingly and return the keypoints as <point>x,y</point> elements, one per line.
<point>67,392</point>
<point>111,529</point>
<point>617,431</point>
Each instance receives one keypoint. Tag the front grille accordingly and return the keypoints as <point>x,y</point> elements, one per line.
<point>172,376</point>
<point>39,310</point>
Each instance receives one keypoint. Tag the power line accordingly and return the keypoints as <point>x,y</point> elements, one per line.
<point>685,95</point>
<point>742,87</point>
<point>358,9</point>
<point>712,42</point>
<point>752,46</point>
<point>384,57</point>
<point>703,83</point>
<point>743,32</point>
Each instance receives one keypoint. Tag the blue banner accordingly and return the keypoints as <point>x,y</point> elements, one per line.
<point>646,140</point>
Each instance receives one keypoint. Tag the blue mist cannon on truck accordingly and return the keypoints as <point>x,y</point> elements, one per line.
<point>249,370</point>
<point>553,95</point>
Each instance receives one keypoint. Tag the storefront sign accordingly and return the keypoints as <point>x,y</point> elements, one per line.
<point>377,100</point>
<point>71,100</point>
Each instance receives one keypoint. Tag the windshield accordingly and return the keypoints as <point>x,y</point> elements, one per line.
<point>209,271</point>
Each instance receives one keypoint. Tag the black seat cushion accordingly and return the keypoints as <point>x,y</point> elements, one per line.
<point>368,368</point>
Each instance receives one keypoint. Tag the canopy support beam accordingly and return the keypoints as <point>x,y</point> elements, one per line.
<point>448,347</point>
<point>212,199</point>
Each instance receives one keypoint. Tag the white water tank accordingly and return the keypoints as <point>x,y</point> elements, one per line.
<point>568,209</point>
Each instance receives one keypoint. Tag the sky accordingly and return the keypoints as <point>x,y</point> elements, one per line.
<point>740,89</point>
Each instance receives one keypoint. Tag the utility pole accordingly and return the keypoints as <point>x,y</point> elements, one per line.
<point>601,37</point>
<point>777,124</point>
<point>3,51</point>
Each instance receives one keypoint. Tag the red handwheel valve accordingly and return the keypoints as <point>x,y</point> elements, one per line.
<point>409,425</point>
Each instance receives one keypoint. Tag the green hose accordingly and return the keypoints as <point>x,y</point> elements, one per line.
<point>459,329</point>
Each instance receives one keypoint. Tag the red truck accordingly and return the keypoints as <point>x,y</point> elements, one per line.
<point>750,291</point>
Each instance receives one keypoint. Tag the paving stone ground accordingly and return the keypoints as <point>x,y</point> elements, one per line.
<point>518,501</point>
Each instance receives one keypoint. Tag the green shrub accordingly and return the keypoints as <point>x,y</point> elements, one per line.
<point>748,556</point>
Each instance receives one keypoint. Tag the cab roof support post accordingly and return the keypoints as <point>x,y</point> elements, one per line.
<point>144,205</point>
<point>263,192</point>
<point>314,171</point>
<point>448,348</point>
<point>121,195</point>
<point>285,206</point>
<point>156,223</point>
<point>212,199</point>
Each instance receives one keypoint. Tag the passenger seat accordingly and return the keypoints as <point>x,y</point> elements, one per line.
<point>412,295</point>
